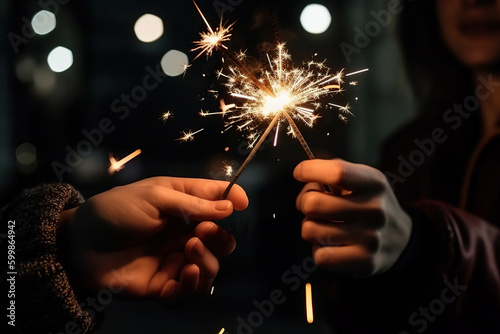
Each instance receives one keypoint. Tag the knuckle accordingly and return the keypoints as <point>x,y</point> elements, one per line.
<point>379,180</point>
<point>155,191</point>
<point>373,242</point>
<point>211,190</point>
<point>376,211</point>
<point>197,205</point>
<point>338,174</point>
<point>327,240</point>
<point>307,230</point>
<point>311,203</point>
<point>321,257</point>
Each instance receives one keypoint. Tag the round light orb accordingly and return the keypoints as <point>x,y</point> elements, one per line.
<point>43,22</point>
<point>315,18</point>
<point>60,59</point>
<point>148,28</point>
<point>174,63</point>
<point>26,154</point>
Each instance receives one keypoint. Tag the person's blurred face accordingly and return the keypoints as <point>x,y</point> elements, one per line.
<point>471,29</point>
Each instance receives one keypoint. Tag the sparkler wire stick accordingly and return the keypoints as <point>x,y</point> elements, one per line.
<point>306,148</point>
<point>299,135</point>
<point>250,156</point>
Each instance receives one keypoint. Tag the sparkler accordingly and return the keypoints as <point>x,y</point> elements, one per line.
<point>116,166</point>
<point>281,93</point>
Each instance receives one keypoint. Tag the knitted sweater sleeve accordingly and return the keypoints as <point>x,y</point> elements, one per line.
<point>43,300</point>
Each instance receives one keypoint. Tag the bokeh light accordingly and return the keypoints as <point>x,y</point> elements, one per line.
<point>26,158</point>
<point>315,18</point>
<point>60,59</point>
<point>43,22</point>
<point>174,63</point>
<point>44,79</point>
<point>148,28</point>
<point>25,69</point>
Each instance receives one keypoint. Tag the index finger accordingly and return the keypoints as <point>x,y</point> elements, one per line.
<point>340,173</point>
<point>203,188</point>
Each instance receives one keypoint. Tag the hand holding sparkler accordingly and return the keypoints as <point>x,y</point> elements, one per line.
<point>362,231</point>
<point>149,233</point>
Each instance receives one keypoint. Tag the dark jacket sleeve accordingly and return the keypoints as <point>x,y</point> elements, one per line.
<point>44,299</point>
<point>468,261</point>
<point>446,281</point>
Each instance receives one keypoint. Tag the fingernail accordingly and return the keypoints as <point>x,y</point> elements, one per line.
<point>198,249</point>
<point>211,228</point>
<point>222,205</point>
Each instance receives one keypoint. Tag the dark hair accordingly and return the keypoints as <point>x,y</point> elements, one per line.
<point>437,78</point>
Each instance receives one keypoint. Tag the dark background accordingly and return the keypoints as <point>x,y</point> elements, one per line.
<point>110,61</point>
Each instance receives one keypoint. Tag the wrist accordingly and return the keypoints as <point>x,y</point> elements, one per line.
<point>62,240</point>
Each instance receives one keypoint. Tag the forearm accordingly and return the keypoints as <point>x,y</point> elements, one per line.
<point>45,300</point>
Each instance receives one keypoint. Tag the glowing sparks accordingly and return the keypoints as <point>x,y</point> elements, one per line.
<point>228,169</point>
<point>212,39</point>
<point>166,115</point>
<point>187,136</point>
<point>116,166</point>
<point>184,69</point>
<point>222,331</point>
<point>343,109</point>
<point>225,108</point>
<point>309,304</point>
<point>212,291</point>
<point>292,91</point>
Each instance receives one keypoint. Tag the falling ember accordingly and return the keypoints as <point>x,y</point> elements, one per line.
<point>184,68</point>
<point>187,136</point>
<point>309,304</point>
<point>116,166</point>
<point>226,149</point>
<point>228,169</point>
<point>276,134</point>
<point>357,72</point>
<point>222,331</point>
<point>166,115</point>
<point>212,291</point>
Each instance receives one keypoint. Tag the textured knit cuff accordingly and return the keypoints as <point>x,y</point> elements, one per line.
<point>45,301</point>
